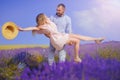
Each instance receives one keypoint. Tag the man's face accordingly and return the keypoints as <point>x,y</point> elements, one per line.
<point>60,11</point>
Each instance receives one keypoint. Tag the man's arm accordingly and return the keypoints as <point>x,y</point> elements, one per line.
<point>69,25</point>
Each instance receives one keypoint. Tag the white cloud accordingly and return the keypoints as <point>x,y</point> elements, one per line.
<point>104,17</point>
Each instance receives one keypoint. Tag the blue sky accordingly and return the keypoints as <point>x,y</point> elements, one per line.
<point>94,18</point>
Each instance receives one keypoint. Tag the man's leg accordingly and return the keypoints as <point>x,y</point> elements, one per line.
<point>51,55</point>
<point>62,55</point>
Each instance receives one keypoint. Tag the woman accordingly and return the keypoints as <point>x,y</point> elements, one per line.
<point>58,40</point>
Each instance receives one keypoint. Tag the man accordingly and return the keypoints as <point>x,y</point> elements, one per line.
<point>63,23</point>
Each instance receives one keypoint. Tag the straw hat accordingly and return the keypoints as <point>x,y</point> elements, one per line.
<point>9,30</point>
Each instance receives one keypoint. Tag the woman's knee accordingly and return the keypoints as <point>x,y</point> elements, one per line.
<point>77,41</point>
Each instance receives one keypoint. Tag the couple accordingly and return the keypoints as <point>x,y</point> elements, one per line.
<point>58,40</point>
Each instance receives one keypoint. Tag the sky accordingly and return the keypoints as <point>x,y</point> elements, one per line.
<point>93,18</point>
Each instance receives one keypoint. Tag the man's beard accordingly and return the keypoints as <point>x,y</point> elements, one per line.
<point>59,14</point>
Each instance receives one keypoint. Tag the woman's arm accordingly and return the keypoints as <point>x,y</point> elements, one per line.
<point>28,29</point>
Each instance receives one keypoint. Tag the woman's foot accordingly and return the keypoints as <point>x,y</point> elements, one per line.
<point>99,40</point>
<point>78,60</point>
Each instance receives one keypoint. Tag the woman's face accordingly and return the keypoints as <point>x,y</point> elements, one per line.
<point>47,19</point>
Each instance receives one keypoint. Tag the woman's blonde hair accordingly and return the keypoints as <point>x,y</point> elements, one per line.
<point>40,20</point>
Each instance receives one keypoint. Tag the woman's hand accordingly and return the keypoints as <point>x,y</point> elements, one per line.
<point>20,29</point>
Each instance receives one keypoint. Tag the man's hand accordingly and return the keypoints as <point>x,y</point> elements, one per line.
<point>70,43</point>
<point>47,35</point>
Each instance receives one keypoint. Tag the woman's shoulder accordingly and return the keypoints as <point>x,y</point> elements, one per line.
<point>43,27</point>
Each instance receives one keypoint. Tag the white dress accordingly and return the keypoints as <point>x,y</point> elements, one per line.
<point>57,39</point>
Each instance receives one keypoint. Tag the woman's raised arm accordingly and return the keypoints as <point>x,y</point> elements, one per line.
<point>28,29</point>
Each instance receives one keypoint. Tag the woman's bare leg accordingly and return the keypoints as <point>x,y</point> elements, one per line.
<point>75,39</point>
<point>76,43</point>
<point>86,38</point>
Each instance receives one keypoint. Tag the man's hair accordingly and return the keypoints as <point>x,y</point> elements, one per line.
<point>61,4</point>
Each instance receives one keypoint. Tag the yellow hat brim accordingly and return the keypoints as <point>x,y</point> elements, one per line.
<point>9,30</point>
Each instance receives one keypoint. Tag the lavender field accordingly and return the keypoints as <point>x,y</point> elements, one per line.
<point>99,62</point>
